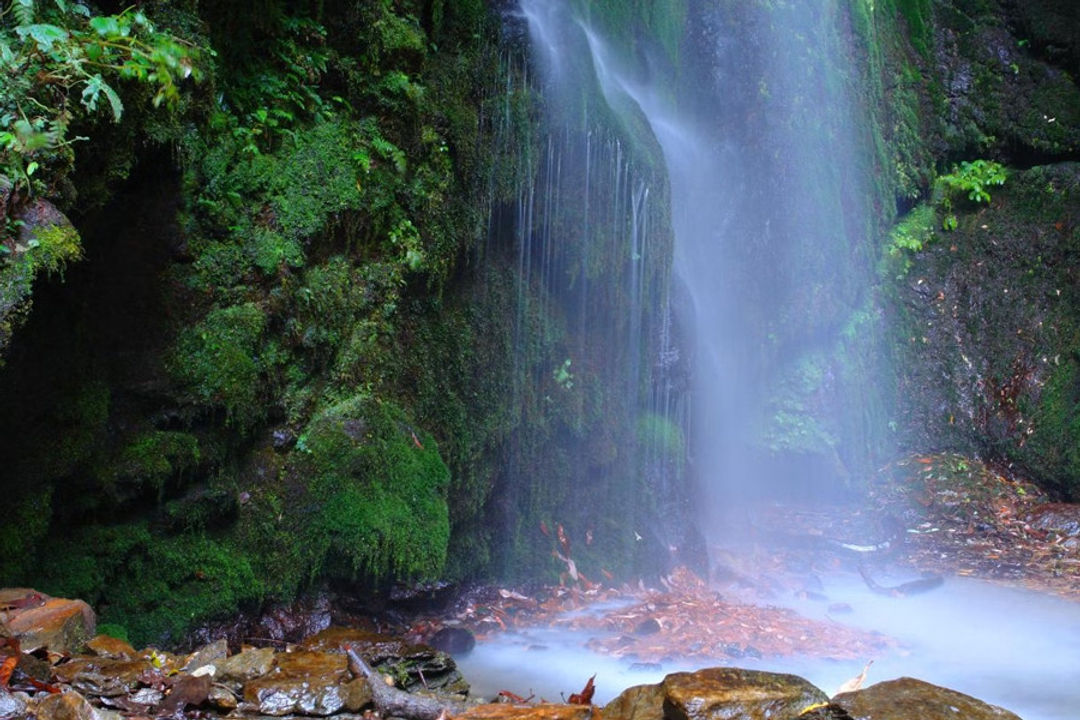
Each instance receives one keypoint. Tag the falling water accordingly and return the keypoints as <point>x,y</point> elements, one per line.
<point>766,159</point>
<point>584,216</point>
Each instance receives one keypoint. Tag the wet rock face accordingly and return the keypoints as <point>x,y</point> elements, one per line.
<point>717,694</point>
<point>910,699</point>
<point>987,331</point>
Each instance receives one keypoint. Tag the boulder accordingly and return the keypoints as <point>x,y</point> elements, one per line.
<point>910,699</point>
<point>55,624</point>
<point>307,682</point>
<point>246,665</point>
<point>717,694</point>
<point>68,706</point>
<point>110,647</point>
<point>104,677</point>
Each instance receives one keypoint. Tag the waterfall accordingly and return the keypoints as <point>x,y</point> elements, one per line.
<point>773,239</point>
<point>582,222</point>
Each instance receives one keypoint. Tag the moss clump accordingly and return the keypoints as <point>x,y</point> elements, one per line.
<point>150,459</point>
<point>378,488</point>
<point>46,248</point>
<point>156,586</point>
<point>219,361</point>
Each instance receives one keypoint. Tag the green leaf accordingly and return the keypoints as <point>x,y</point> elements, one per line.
<point>43,34</point>
<point>105,25</point>
<point>95,86</point>
<point>31,169</point>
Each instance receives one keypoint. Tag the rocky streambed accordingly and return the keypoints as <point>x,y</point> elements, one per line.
<point>56,667</point>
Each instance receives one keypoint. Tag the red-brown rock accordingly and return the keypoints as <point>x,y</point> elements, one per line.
<point>39,621</point>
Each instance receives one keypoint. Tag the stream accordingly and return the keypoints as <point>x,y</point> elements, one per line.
<point>1008,647</point>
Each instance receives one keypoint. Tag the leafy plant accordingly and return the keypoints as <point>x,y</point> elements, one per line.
<point>50,56</point>
<point>973,179</point>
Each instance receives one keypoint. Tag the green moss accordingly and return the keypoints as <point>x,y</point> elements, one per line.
<point>379,488</point>
<point>658,435</point>
<point>157,586</point>
<point>148,461</point>
<point>47,249</point>
<point>218,361</point>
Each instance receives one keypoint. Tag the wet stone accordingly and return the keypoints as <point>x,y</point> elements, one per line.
<point>58,625</point>
<point>105,677</point>
<point>910,699</point>
<point>641,702</point>
<point>413,666</point>
<point>246,665</point>
<point>543,711</point>
<point>208,655</point>
<point>110,647</point>
<point>68,706</point>
<point>716,693</point>
<point>307,683</point>
<point>222,698</point>
<point>12,705</point>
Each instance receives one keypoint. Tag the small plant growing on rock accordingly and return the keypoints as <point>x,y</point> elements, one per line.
<point>972,178</point>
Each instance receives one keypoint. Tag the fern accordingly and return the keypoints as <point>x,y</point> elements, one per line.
<point>23,11</point>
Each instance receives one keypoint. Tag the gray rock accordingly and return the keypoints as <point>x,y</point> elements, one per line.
<point>11,705</point>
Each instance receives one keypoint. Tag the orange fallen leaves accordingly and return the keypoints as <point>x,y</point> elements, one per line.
<point>585,696</point>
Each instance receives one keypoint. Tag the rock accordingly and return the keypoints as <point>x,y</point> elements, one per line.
<point>246,665</point>
<point>222,698</point>
<point>110,647</point>
<point>68,706</point>
<point>1062,519</point>
<point>455,641</point>
<point>12,705</point>
<point>543,711</point>
<point>413,666</point>
<point>187,690</point>
<point>715,694</point>
<point>103,677</point>
<point>641,702</point>
<point>207,656</point>
<point>826,712</point>
<point>910,699</point>
<point>55,624</point>
<point>308,683</point>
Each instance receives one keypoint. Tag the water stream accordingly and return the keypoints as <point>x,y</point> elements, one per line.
<point>988,641</point>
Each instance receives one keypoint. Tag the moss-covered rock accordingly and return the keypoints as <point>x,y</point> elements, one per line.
<point>378,489</point>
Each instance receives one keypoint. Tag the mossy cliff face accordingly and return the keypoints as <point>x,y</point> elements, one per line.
<point>303,350</point>
<point>977,286</point>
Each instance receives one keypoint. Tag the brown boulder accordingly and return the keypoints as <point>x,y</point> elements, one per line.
<point>307,683</point>
<point>39,621</point>
<point>910,699</point>
<point>68,706</point>
<point>717,694</point>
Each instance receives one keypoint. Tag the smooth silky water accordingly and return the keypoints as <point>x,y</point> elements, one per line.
<point>773,232</point>
<point>992,642</point>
